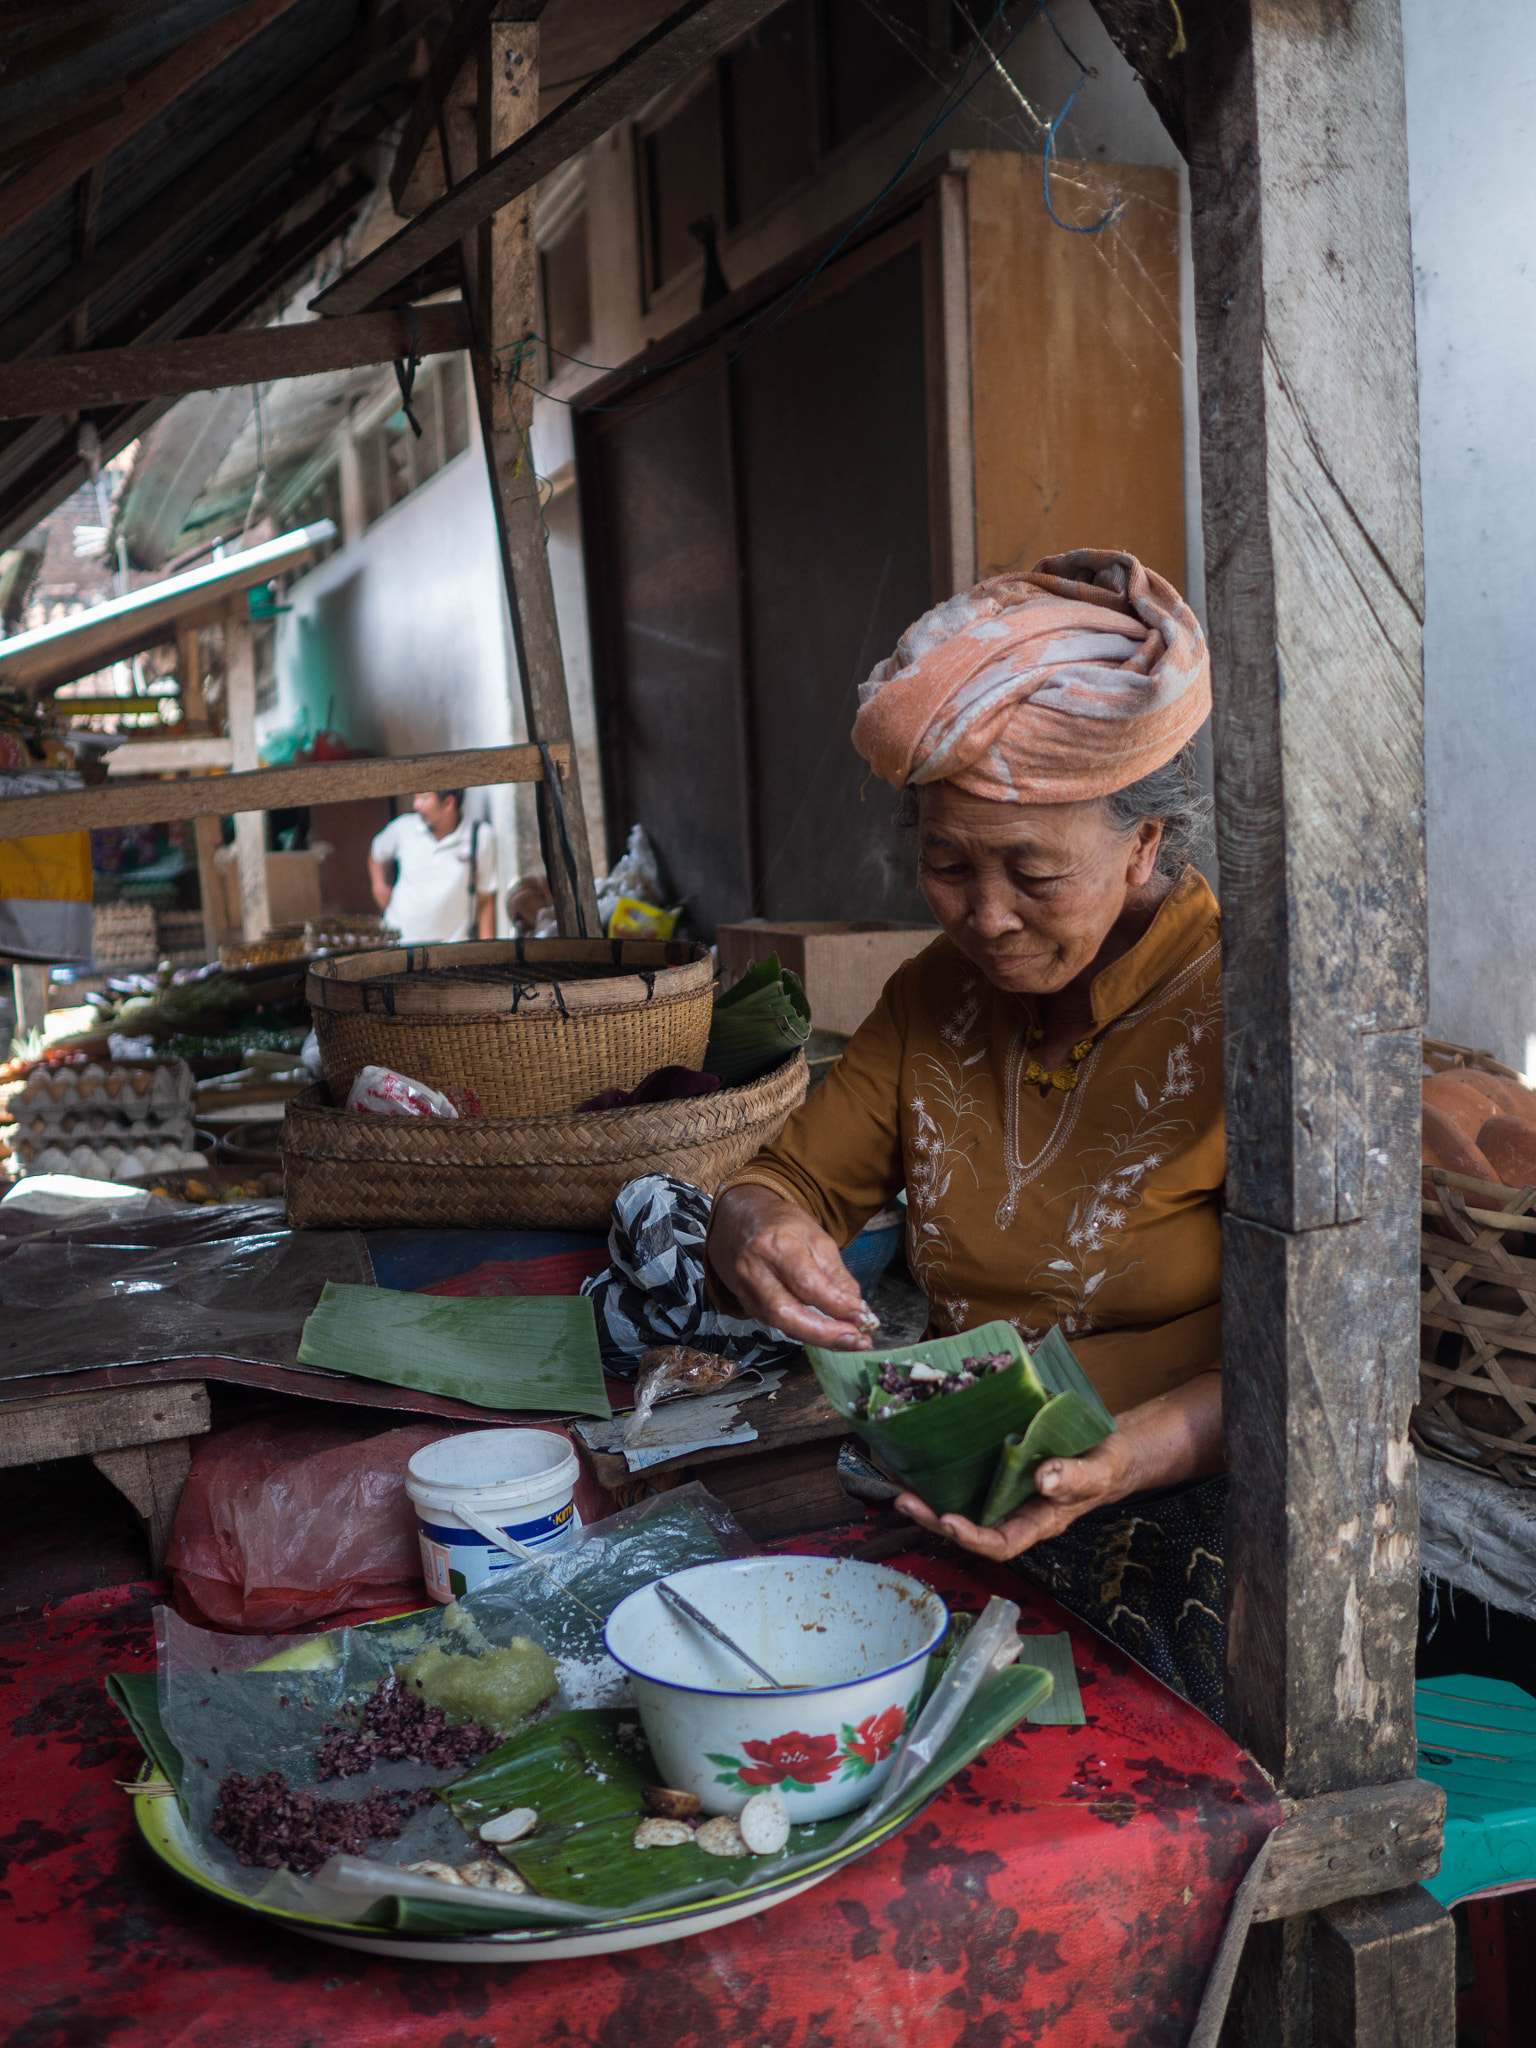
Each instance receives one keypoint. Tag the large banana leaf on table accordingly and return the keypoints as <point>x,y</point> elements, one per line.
<point>973,1453</point>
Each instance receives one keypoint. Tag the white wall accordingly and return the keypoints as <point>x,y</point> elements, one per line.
<point>1471,157</point>
<point>405,631</point>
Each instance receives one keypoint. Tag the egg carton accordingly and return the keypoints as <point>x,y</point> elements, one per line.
<point>27,1138</point>
<point>114,1162</point>
<point>129,1093</point>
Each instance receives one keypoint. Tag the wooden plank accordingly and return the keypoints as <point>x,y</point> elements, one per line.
<point>499,275</point>
<point>166,757</point>
<point>208,834</point>
<point>698,31</point>
<point>151,1477</point>
<point>1053,315</point>
<point>240,710</point>
<point>1304,294</point>
<point>956,398</point>
<point>273,789</point>
<point>1384,1974</point>
<point>143,98</point>
<point>115,376</point>
<point>1347,1845</point>
<point>80,1425</point>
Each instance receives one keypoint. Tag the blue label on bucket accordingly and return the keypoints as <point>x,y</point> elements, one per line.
<point>457,1561</point>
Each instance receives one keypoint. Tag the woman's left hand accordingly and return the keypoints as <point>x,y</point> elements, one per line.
<point>1163,1442</point>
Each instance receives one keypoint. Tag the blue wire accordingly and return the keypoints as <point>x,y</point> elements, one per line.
<point>1111,214</point>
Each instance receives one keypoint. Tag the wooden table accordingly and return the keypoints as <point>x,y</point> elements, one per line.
<point>139,1437</point>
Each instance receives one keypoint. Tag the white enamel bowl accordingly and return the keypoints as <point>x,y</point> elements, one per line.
<point>850,1638</point>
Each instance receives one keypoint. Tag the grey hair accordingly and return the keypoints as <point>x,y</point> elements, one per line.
<point>1170,794</point>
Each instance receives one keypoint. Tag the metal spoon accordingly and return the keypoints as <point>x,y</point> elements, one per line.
<point>686,1608</point>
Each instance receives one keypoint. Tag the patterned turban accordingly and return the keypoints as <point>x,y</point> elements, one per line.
<point>1050,688</point>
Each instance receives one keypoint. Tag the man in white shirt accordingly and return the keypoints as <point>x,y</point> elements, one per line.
<point>445,880</point>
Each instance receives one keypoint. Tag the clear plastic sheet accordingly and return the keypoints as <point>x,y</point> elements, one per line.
<point>222,1282</point>
<point>224,1715</point>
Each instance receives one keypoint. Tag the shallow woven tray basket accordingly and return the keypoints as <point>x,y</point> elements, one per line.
<point>345,1168</point>
<point>1475,1233</point>
<point>526,1040</point>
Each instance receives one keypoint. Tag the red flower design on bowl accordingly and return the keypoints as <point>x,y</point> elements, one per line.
<point>795,1758</point>
<point>876,1736</point>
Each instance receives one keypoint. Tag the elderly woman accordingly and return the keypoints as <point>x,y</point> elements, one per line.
<point>1044,1080</point>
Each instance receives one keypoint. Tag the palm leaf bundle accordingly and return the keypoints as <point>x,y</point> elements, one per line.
<point>503,1351</point>
<point>759,1022</point>
<point>976,1452</point>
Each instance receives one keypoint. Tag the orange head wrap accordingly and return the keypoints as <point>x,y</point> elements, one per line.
<point>1050,688</point>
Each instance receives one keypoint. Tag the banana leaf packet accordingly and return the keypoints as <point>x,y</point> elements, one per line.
<point>973,1453</point>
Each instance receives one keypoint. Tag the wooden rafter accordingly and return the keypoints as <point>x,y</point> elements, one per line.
<point>170,217</point>
<point>273,789</point>
<point>453,54</point>
<point>56,469</point>
<point>143,99</point>
<point>115,376</point>
<point>688,38</point>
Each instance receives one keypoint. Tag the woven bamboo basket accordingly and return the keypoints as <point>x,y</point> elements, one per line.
<point>345,1168</point>
<point>1441,1056</point>
<point>517,1027</point>
<point>1477,1369</point>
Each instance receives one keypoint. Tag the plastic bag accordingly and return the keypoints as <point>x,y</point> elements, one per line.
<point>286,1521</point>
<point>382,1092</point>
<point>635,874</point>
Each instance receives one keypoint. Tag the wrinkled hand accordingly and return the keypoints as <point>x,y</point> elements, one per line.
<point>1064,1489</point>
<point>784,1270</point>
<point>1166,1441</point>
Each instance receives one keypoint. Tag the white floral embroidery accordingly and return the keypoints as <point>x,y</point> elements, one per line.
<point>945,1107</point>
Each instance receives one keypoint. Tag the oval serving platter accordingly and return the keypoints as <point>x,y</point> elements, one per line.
<point>159,1821</point>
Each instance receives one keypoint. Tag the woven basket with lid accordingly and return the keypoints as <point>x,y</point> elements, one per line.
<point>347,1169</point>
<point>514,1027</point>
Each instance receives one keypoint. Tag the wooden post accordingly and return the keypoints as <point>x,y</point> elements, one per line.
<point>1384,1972</point>
<point>250,826</point>
<point>1309,453</point>
<point>499,283</point>
<point>207,833</point>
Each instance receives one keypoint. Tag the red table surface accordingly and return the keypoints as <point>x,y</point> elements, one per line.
<point>1068,1888</point>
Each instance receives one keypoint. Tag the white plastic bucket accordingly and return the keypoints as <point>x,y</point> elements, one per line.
<point>521,1482</point>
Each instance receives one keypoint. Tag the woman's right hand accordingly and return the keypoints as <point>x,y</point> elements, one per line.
<point>784,1270</point>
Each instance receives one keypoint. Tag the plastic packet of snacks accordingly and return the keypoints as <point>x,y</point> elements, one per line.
<point>382,1092</point>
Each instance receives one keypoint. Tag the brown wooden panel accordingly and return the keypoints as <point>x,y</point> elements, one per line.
<point>1075,364</point>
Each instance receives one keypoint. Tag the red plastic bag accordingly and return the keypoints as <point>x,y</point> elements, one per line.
<point>287,1522</point>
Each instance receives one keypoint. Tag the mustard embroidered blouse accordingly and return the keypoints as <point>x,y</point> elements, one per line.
<point>1097,1208</point>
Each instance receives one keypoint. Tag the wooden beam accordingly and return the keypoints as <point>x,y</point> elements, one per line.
<point>143,99</point>
<point>1384,1974</point>
<point>57,470</point>
<point>1309,452</point>
<point>61,1425</point>
<point>697,32</point>
<point>116,376</point>
<point>1345,1845</point>
<point>207,832</point>
<point>499,274</point>
<point>240,709</point>
<point>271,789</point>
<point>1154,39</point>
<point>454,55</point>
<point>170,756</point>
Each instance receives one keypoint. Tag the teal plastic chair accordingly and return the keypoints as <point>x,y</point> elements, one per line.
<point>1477,1740</point>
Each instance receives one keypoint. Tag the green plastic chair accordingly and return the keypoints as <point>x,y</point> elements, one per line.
<point>1477,1740</point>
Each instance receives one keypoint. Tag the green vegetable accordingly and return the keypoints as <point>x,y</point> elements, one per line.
<point>974,1453</point>
<point>756,1024</point>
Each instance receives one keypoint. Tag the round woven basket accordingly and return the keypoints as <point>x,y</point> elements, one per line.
<point>347,1169</point>
<point>514,1027</point>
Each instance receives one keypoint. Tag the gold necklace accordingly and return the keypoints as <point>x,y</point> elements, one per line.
<point>1063,1077</point>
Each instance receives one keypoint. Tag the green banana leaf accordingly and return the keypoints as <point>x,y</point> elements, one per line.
<point>759,1022</point>
<point>136,1695</point>
<point>974,1453</point>
<point>506,1351</point>
<point>597,1865</point>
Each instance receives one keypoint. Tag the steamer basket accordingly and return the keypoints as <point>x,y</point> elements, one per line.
<point>1477,1236</point>
<point>514,1028</point>
<point>345,1169</point>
